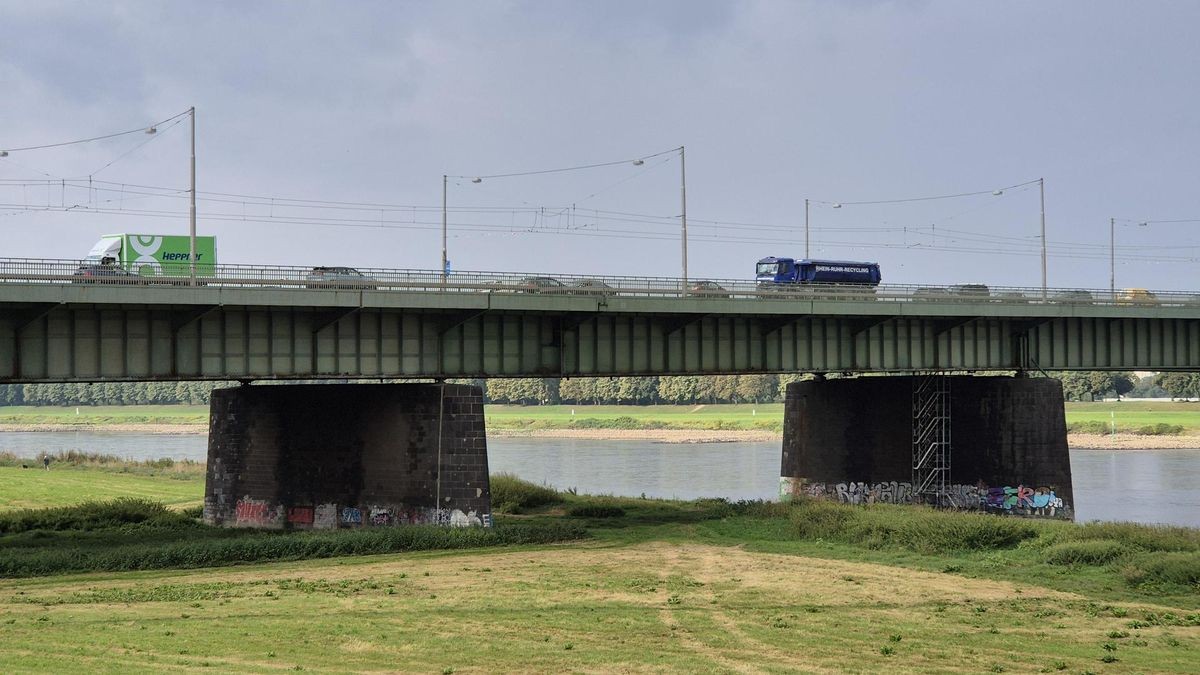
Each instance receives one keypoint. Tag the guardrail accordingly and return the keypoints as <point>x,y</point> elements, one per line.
<point>38,271</point>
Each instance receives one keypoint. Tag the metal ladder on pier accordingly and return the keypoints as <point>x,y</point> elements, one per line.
<point>931,438</point>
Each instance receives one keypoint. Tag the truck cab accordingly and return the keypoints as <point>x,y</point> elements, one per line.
<point>772,270</point>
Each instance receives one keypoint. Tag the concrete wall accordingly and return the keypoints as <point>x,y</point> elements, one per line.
<point>851,440</point>
<point>347,455</point>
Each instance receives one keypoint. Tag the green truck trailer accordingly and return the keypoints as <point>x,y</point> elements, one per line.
<point>150,255</point>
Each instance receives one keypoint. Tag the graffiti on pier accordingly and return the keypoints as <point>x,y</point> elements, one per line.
<point>300,515</point>
<point>1021,500</point>
<point>351,516</point>
<point>254,512</point>
<point>325,516</point>
<point>381,515</point>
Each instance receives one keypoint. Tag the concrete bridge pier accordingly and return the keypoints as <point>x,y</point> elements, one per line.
<point>859,440</point>
<point>347,455</point>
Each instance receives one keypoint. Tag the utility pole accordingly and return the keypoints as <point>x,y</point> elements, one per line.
<point>192,219</point>
<point>445,271</point>
<point>1042,191</point>
<point>683,215</point>
<point>1112,257</point>
<point>806,256</point>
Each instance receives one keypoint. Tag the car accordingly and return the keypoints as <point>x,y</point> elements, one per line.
<point>709,289</point>
<point>339,277</point>
<point>970,290</point>
<point>590,287</point>
<point>540,285</point>
<point>1136,296</point>
<point>1073,297</point>
<point>930,293</point>
<point>1010,296</point>
<point>106,270</point>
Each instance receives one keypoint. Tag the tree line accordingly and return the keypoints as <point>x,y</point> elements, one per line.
<point>679,389</point>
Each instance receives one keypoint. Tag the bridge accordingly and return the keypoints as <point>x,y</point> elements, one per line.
<point>58,324</point>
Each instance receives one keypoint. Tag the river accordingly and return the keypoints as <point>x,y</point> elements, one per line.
<point>1145,486</point>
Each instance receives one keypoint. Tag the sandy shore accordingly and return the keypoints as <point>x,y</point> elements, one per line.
<point>1096,441</point>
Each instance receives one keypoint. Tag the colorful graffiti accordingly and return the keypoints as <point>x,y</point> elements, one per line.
<point>381,515</point>
<point>254,512</point>
<point>300,515</point>
<point>352,516</point>
<point>1021,500</point>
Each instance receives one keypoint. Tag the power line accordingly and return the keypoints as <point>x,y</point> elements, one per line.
<point>926,199</point>
<point>571,168</point>
<point>95,138</point>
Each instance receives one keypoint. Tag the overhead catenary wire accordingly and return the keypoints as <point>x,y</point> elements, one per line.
<point>139,130</point>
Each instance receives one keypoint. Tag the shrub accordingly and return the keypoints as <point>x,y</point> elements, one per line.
<point>1160,429</point>
<point>1164,569</point>
<point>1135,536</point>
<point>1088,427</point>
<point>596,511</point>
<point>1086,552</point>
<point>512,494</point>
<point>921,530</point>
<point>256,546</point>
<point>92,516</point>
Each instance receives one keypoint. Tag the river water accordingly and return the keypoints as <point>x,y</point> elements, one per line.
<point>1145,486</point>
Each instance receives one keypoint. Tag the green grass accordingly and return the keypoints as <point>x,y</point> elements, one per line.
<point>105,414</point>
<point>667,586</point>
<point>64,485</point>
<point>1134,415</point>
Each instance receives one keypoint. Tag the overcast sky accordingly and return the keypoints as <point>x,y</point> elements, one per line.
<point>370,103</point>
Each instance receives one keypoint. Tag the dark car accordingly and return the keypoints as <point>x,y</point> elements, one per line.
<point>970,291</point>
<point>541,285</point>
<point>106,270</point>
<point>931,293</point>
<point>590,287</point>
<point>709,289</point>
<point>1073,297</point>
<point>339,277</point>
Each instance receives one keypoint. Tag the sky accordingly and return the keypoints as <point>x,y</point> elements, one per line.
<point>360,108</point>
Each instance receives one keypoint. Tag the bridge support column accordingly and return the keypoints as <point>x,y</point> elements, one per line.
<point>851,440</point>
<point>347,455</point>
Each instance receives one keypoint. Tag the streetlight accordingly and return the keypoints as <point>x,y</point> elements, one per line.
<point>192,194</point>
<point>635,162</point>
<point>1042,192</point>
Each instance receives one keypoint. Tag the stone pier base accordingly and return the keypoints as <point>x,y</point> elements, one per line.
<point>347,455</point>
<point>850,440</point>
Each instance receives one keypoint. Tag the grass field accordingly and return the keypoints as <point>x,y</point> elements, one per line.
<point>1128,415</point>
<point>105,414</point>
<point>667,586</point>
<point>64,485</point>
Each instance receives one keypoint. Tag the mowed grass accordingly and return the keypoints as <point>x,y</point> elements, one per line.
<point>1128,415</point>
<point>699,416</point>
<point>105,414</point>
<point>1136,414</point>
<point>644,607</point>
<point>64,485</point>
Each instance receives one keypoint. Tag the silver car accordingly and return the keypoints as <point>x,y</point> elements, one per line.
<point>339,277</point>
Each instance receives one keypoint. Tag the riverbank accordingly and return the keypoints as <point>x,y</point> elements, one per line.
<point>586,583</point>
<point>1119,441</point>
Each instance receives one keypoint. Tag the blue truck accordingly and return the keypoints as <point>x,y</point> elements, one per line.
<point>775,273</point>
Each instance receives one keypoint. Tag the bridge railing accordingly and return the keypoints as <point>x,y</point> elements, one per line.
<point>158,274</point>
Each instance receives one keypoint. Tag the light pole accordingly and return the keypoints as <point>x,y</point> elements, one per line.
<point>1042,191</point>
<point>1112,257</point>
<point>445,267</point>
<point>806,229</point>
<point>192,209</point>
<point>683,216</point>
